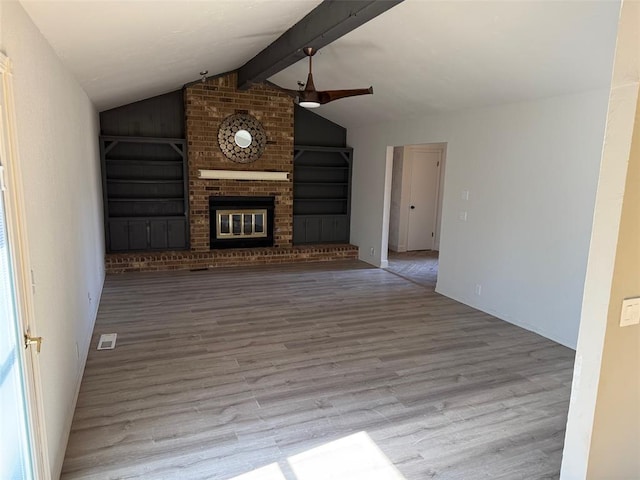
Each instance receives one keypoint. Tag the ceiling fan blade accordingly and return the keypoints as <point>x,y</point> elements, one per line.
<point>331,95</point>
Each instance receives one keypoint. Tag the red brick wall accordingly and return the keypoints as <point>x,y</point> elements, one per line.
<point>206,106</point>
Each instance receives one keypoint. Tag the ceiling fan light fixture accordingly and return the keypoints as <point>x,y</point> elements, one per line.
<point>307,104</point>
<point>309,97</point>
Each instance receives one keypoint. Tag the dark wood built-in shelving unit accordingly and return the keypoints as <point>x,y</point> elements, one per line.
<point>321,194</point>
<point>145,193</point>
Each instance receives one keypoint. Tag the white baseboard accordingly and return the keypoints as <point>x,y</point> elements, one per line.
<point>554,337</point>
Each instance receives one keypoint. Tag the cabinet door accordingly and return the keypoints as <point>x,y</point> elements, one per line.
<point>118,235</point>
<point>299,233</point>
<point>306,229</point>
<point>138,235</point>
<point>312,229</point>
<point>157,234</point>
<point>177,234</point>
<point>334,229</point>
<point>341,229</point>
<point>328,229</point>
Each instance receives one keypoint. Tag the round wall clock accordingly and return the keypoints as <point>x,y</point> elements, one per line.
<point>241,138</point>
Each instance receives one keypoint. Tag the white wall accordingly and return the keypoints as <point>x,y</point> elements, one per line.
<point>531,170</point>
<point>57,129</point>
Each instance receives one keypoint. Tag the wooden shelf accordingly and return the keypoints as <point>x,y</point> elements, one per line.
<point>343,184</point>
<point>146,181</point>
<point>146,199</point>
<point>140,161</point>
<point>322,167</point>
<point>145,193</point>
<point>319,214</point>
<point>321,194</point>
<point>320,199</point>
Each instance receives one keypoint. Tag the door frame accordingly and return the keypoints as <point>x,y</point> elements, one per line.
<point>440,147</point>
<point>21,266</point>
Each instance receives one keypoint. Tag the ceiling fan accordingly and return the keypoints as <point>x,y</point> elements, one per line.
<point>312,98</point>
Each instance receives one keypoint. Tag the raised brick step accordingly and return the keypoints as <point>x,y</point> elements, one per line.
<point>186,260</point>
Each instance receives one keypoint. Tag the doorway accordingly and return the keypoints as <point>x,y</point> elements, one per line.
<point>415,211</point>
<point>416,197</point>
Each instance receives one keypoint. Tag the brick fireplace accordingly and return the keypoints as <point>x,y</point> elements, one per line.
<point>206,106</point>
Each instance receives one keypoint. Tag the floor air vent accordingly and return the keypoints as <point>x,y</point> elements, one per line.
<point>107,341</point>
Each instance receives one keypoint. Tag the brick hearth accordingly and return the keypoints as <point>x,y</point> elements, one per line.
<point>185,260</point>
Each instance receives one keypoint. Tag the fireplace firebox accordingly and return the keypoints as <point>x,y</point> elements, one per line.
<point>241,222</point>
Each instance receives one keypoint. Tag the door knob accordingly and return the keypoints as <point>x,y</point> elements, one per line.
<point>413,207</point>
<point>29,340</point>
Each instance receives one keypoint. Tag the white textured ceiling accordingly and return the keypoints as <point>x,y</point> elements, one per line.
<point>124,51</point>
<point>421,56</point>
<point>425,57</point>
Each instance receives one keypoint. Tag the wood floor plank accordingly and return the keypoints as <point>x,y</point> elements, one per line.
<point>219,373</point>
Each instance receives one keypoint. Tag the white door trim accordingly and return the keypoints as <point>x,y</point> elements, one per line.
<point>17,234</point>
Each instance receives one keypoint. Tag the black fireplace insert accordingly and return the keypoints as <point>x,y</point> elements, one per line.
<point>241,222</point>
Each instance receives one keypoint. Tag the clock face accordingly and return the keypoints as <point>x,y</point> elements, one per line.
<point>242,138</point>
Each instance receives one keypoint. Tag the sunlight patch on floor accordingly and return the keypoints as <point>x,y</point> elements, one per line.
<point>355,457</point>
<point>269,472</point>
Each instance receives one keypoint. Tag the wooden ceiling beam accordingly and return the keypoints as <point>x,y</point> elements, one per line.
<point>327,22</point>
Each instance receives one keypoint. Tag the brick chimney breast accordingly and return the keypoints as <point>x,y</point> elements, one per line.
<point>206,106</point>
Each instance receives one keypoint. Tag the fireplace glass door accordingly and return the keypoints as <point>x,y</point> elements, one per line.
<point>241,223</point>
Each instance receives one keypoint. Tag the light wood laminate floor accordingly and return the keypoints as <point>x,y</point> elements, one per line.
<point>333,371</point>
<point>420,267</point>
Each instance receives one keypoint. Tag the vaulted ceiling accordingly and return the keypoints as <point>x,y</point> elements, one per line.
<point>421,56</point>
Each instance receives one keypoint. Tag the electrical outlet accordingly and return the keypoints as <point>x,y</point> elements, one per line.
<point>630,314</point>
<point>372,252</point>
<point>89,297</point>
<point>478,289</point>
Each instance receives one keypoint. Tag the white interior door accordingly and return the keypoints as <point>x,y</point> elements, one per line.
<point>423,199</point>
<point>16,461</point>
<point>23,453</point>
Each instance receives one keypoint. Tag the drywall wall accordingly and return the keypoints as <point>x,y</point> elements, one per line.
<point>601,439</point>
<point>396,226</point>
<point>531,170</point>
<point>57,129</point>
<point>616,428</point>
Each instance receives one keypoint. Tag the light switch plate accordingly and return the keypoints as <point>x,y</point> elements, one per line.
<point>107,341</point>
<point>630,312</point>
